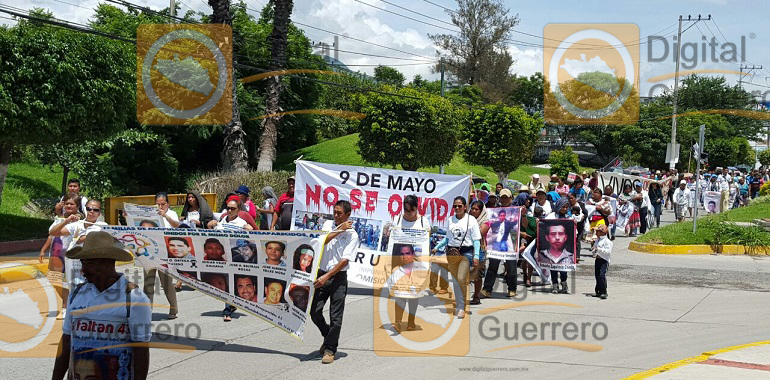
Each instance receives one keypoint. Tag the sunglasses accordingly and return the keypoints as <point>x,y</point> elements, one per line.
<point>93,209</point>
<point>232,208</point>
<point>457,206</point>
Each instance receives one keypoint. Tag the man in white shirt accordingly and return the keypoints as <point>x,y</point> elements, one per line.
<point>92,335</point>
<point>681,200</point>
<point>332,282</point>
<point>602,250</point>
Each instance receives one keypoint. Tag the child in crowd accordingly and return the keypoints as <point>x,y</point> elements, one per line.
<point>601,250</point>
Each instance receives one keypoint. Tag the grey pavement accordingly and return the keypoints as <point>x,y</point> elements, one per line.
<point>661,308</point>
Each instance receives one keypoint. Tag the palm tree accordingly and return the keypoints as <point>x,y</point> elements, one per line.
<point>234,155</point>
<point>278,37</point>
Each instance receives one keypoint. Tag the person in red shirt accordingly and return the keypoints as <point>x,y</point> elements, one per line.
<point>284,208</point>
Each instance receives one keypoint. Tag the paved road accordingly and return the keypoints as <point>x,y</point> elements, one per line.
<point>661,308</point>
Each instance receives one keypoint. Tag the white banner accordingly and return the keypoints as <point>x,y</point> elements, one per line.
<point>376,196</point>
<point>266,273</point>
<point>142,216</point>
<point>618,180</point>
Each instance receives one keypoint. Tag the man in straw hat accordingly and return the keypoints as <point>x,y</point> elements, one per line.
<point>107,315</point>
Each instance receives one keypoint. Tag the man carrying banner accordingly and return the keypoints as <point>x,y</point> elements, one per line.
<point>92,336</point>
<point>332,281</point>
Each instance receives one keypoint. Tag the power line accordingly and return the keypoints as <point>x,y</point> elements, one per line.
<point>418,13</point>
<point>404,16</point>
<point>360,40</point>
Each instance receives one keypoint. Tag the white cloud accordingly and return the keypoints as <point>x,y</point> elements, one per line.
<point>527,61</point>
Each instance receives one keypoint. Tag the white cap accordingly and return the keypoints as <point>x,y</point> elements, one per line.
<point>536,176</point>
<point>682,182</point>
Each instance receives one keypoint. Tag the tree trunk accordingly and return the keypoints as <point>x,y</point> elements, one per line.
<point>278,38</point>
<point>64,179</point>
<point>5,160</point>
<point>501,177</point>
<point>234,154</point>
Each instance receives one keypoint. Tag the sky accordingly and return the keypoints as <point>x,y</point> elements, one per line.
<point>407,47</point>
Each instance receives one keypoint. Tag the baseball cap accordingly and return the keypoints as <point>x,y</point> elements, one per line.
<point>682,182</point>
<point>524,188</point>
<point>505,193</point>
<point>536,176</point>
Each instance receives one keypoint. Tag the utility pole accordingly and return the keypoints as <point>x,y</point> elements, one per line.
<point>699,152</point>
<point>748,69</point>
<point>674,152</point>
<point>441,168</point>
<point>172,8</point>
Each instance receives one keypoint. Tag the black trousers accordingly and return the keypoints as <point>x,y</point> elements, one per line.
<point>510,275</point>
<point>600,272</point>
<point>558,275</point>
<point>335,289</point>
<point>643,216</point>
<point>403,303</point>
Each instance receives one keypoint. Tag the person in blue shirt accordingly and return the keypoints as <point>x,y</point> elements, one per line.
<point>579,192</point>
<point>552,195</point>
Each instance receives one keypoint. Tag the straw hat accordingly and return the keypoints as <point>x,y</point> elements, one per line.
<point>100,245</point>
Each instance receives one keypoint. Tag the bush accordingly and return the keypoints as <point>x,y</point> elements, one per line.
<point>564,162</point>
<point>765,189</point>
<point>755,239</point>
<point>223,183</point>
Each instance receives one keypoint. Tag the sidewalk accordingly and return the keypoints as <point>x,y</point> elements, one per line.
<point>747,361</point>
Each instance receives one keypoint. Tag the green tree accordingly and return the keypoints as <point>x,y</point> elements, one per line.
<point>500,137</point>
<point>63,86</point>
<point>414,130</point>
<point>478,53</point>
<point>764,157</point>
<point>388,75</point>
<point>528,93</point>
<point>563,162</point>
<point>700,93</point>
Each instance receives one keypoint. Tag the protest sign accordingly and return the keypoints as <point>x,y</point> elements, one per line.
<point>144,216</point>
<point>409,250</point>
<point>266,273</point>
<point>571,177</point>
<point>556,244</point>
<point>503,235</point>
<point>712,201</point>
<point>376,197</point>
<point>618,180</point>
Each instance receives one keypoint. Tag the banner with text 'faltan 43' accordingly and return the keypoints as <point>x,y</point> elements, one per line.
<point>376,196</point>
<point>269,274</point>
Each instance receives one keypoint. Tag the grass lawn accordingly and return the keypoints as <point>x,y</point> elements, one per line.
<point>681,233</point>
<point>343,151</point>
<point>24,182</point>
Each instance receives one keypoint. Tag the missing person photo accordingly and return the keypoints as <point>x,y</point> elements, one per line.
<point>243,251</point>
<point>179,247</point>
<point>303,258</point>
<point>191,275</point>
<point>246,287</point>
<point>217,280</point>
<point>299,296</point>
<point>555,242</point>
<point>274,290</point>
<point>369,231</point>
<point>503,229</point>
<point>275,252</point>
<point>214,250</point>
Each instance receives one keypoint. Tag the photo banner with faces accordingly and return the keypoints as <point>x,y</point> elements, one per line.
<point>712,201</point>
<point>269,274</point>
<point>503,235</point>
<point>142,216</point>
<point>376,196</point>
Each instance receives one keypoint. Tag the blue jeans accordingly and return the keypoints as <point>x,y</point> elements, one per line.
<point>600,272</point>
<point>228,311</point>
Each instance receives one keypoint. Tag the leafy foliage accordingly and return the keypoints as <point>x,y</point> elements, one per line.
<point>499,136</point>
<point>563,162</point>
<point>764,157</point>
<point>388,75</point>
<point>414,131</point>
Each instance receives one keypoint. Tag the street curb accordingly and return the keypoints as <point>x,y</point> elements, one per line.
<point>663,249</point>
<point>691,360</point>
<point>9,247</point>
<point>22,272</point>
